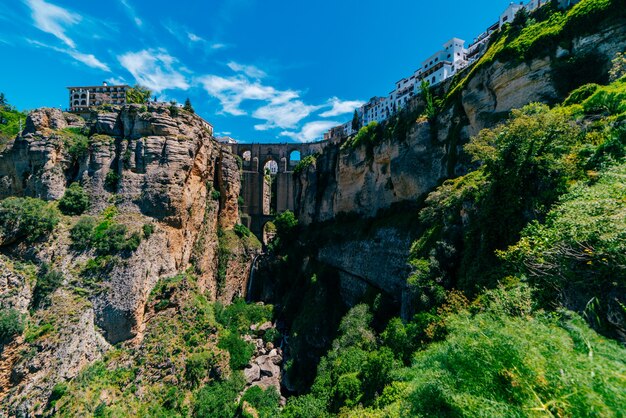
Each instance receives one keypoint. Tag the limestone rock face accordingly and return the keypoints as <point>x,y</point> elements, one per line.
<point>45,119</point>
<point>364,180</point>
<point>158,166</point>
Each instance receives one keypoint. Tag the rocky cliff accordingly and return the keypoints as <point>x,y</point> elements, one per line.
<point>157,169</point>
<point>371,179</point>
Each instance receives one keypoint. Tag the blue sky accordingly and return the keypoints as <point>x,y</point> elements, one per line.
<point>258,70</point>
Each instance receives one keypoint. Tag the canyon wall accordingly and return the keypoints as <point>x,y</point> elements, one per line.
<point>368,181</point>
<point>150,165</point>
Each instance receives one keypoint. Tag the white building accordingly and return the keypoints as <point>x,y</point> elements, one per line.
<point>509,13</point>
<point>376,109</point>
<point>443,64</point>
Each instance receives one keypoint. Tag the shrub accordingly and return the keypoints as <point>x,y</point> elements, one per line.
<point>304,407</point>
<point>265,402</point>
<point>148,230</point>
<point>48,281</point>
<point>304,164</point>
<point>197,367</point>
<point>618,67</point>
<point>81,232</point>
<point>215,194</point>
<point>27,218</point>
<point>216,400</point>
<point>74,201</point>
<point>240,351</point>
<point>580,249</point>
<point>76,144</point>
<point>242,231</point>
<point>106,237</point>
<point>490,366</point>
<point>11,324</point>
<point>111,180</point>
<point>580,94</point>
<point>240,315</point>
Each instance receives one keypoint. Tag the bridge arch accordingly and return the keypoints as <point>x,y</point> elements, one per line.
<point>280,190</point>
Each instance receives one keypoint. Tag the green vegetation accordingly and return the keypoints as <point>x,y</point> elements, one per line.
<point>486,363</point>
<point>187,106</point>
<point>9,120</point>
<point>242,231</point>
<point>179,369</point>
<point>48,280</point>
<point>264,402</point>
<point>75,200</point>
<point>304,164</point>
<point>111,180</point>
<point>542,34</point>
<point>138,95</point>
<point>11,324</point>
<point>369,135</point>
<point>106,236</point>
<point>26,219</point>
<point>75,142</point>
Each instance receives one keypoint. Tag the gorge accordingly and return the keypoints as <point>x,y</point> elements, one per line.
<point>464,258</point>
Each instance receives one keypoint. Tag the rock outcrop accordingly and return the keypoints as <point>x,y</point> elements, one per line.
<point>367,180</point>
<point>158,167</point>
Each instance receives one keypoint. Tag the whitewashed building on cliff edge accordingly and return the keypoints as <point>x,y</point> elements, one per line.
<point>81,98</point>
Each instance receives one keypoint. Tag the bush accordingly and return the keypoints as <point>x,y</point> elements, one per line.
<point>27,218</point>
<point>490,366</point>
<point>304,164</point>
<point>111,180</point>
<point>215,195</point>
<point>580,94</point>
<point>11,324</point>
<point>48,281</point>
<point>197,367</point>
<point>580,248</point>
<point>106,237</point>
<point>240,351</point>
<point>148,230</point>
<point>265,402</point>
<point>216,400</point>
<point>81,232</point>
<point>74,201</point>
<point>242,231</point>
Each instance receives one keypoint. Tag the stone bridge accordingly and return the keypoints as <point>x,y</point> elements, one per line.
<point>267,184</point>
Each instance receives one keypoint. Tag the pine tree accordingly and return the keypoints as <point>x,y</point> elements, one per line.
<point>355,121</point>
<point>3,100</point>
<point>188,106</point>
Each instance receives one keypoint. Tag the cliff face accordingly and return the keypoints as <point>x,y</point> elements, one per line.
<point>367,179</point>
<point>157,166</point>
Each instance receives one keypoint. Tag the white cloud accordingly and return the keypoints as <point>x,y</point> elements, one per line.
<point>218,46</point>
<point>87,59</point>
<point>53,19</point>
<point>154,69</point>
<point>116,80</point>
<point>285,115</point>
<point>249,70</point>
<point>311,131</point>
<point>194,38</point>
<point>132,13</point>
<point>232,91</point>
<point>340,107</point>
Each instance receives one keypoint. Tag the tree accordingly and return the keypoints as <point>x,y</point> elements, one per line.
<point>75,200</point>
<point>188,106</point>
<point>355,121</point>
<point>3,100</point>
<point>138,94</point>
